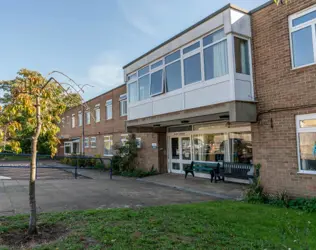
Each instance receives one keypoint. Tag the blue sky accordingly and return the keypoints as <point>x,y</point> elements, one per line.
<point>91,40</point>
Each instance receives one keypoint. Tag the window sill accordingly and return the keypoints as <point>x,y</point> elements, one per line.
<point>123,115</point>
<point>306,172</point>
<point>303,66</point>
<point>107,155</point>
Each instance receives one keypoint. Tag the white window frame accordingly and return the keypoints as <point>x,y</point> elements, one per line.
<point>97,113</point>
<point>133,76</point>
<point>80,118</point>
<point>123,101</point>
<point>86,117</point>
<point>109,105</point>
<point>93,142</point>
<point>140,77</point>
<point>292,29</point>
<point>63,122</point>
<point>161,67</point>
<point>70,145</point>
<point>108,138</point>
<point>303,130</point>
<point>181,67</point>
<point>86,142</point>
<point>73,121</point>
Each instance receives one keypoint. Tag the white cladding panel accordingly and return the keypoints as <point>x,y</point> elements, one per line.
<point>208,95</point>
<point>140,111</point>
<point>167,105</point>
<point>240,23</point>
<point>243,90</point>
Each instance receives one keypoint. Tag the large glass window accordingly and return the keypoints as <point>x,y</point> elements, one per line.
<point>132,92</point>
<point>240,147</point>
<point>191,47</point>
<point>173,76</point>
<point>306,137</point>
<point>302,28</point>
<point>97,113</point>
<point>172,57</point>
<point>143,84</point>
<point>80,118</point>
<point>209,147</point>
<point>93,142</point>
<point>73,120</point>
<point>302,47</point>
<point>192,69</point>
<point>67,148</point>
<point>242,56</point>
<point>88,117</point>
<point>108,145</point>
<point>214,37</point>
<point>123,105</point>
<point>156,84</point>
<point>109,111</point>
<point>216,60</point>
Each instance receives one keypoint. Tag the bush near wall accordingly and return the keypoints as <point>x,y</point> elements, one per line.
<point>86,162</point>
<point>256,194</point>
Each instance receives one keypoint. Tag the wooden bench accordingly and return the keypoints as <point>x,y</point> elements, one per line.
<point>212,168</point>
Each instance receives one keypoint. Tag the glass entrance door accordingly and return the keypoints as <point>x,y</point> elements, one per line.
<point>181,153</point>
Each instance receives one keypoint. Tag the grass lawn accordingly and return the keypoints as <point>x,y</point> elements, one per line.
<point>211,225</point>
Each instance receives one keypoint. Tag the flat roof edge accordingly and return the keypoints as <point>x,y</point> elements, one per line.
<point>188,29</point>
<point>262,6</point>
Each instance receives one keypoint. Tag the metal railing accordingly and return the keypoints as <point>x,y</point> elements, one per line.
<point>59,162</point>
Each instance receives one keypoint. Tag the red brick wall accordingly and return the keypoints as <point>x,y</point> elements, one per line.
<point>277,85</point>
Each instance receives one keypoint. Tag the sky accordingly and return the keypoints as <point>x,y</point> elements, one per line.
<point>91,40</point>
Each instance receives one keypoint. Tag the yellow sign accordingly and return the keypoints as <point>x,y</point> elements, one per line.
<point>281,1</point>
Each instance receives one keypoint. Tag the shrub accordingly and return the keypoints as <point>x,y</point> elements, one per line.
<point>99,165</point>
<point>255,193</point>
<point>139,173</point>
<point>308,205</point>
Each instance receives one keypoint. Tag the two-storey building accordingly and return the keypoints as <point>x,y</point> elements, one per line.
<point>196,91</point>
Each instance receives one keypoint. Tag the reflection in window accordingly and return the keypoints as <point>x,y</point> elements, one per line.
<point>156,86</point>
<point>215,60</point>
<point>192,69</point>
<point>240,147</point>
<point>307,148</point>
<point>209,147</point>
<point>175,148</point>
<point>67,146</point>
<point>108,145</point>
<point>217,35</point>
<point>191,47</point>
<point>308,123</point>
<point>143,84</point>
<point>302,47</point>
<point>305,18</point>
<point>242,56</point>
<point>132,92</point>
<point>173,76</point>
<point>172,57</point>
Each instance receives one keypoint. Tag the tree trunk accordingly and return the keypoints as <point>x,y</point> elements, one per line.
<point>32,223</point>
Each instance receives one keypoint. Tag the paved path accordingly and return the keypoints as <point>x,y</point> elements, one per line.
<point>61,195</point>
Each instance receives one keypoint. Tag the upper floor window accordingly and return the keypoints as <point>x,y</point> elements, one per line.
<point>86,142</point>
<point>123,105</point>
<point>88,120</point>
<point>79,118</point>
<point>63,122</point>
<point>242,56</point>
<point>302,35</point>
<point>182,67</point>
<point>306,138</point>
<point>109,109</point>
<point>73,120</point>
<point>97,113</point>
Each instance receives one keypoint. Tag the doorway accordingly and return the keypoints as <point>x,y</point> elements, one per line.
<point>181,153</point>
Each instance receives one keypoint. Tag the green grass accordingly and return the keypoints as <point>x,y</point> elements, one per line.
<point>212,225</point>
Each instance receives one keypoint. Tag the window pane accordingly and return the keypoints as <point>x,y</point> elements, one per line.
<point>191,47</point>
<point>242,56</point>
<point>209,147</point>
<point>172,57</point>
<point>143,84</point>
<point>173,76</point>
<point>176,166</point>
<point>132,92</point>
<point>192,69</point>
<point>97,115</point>
<point>217,35</point>
<point>156,83</point>
<point>215,60</point>
<point>302,45</point>
<point>186,148</point>
<point>175,148</point>
<point>241,147</point>
<point>87,117</point>
<point>308,123</point>
<point>123,108</point>
<point>131,77</point>
<point>143,71</point>
<point>108,143</point>
<point>157,64</point>
<point>109,112</point>
<point>307,151</point>
<point>305,18</point>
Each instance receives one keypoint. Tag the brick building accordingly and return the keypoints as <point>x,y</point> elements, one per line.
<point>103,126</point>
<point>284,57</point>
